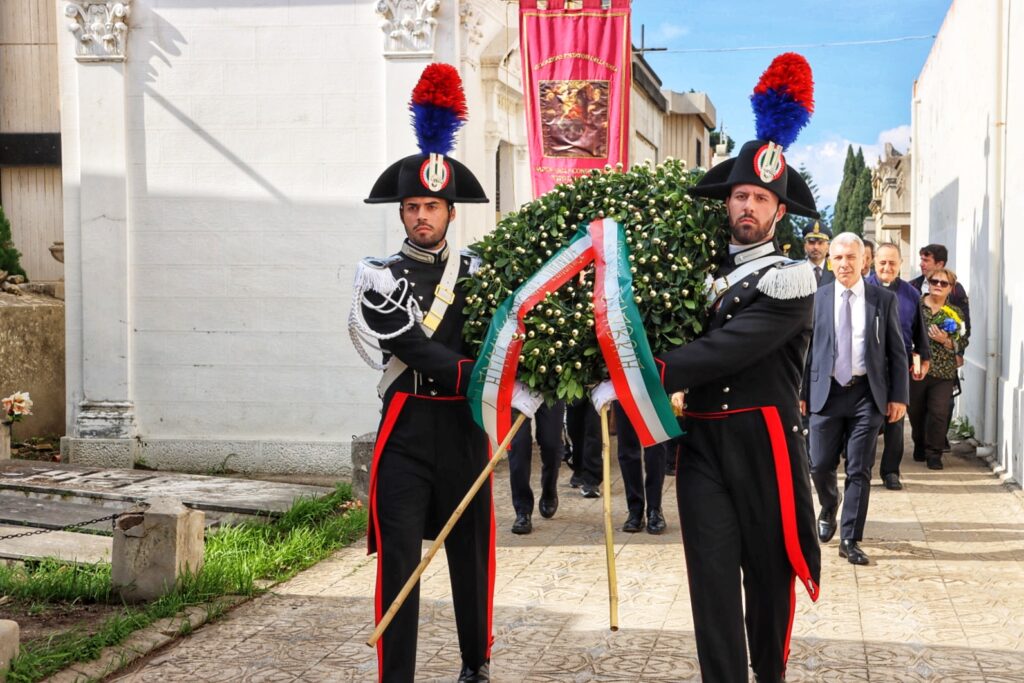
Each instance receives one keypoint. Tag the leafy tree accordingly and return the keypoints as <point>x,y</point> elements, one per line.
<point>9,256</point>
<point>791,228</point>
<point>851,207</point>
<point>716,136</point>
<point>860,199</point>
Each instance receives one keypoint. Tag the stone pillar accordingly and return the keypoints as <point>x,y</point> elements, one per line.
<point>10,633</point>
<point>362,462</point>
<point>99,355</point>
<point>154,547</point>
<point>410,27</point>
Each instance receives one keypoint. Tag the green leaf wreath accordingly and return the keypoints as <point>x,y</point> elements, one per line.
<point>674,241</point>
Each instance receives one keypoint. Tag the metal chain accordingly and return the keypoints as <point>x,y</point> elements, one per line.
<point>76,525</point>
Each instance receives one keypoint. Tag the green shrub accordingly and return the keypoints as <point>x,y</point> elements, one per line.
<point>9,256</point>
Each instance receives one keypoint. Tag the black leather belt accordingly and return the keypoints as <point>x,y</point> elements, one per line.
<point>854,381</point>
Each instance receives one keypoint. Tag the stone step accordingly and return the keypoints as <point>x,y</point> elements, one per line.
<point>62,545</point>
<point>111,488</point>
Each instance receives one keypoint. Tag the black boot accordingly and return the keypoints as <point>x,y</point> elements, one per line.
<point>479,674</point>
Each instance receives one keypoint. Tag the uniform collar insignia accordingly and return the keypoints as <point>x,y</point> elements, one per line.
<point>747,255</point>
<point>424,256</point>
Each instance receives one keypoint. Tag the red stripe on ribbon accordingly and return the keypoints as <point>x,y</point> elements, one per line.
<point>511,365</point>
<point>609,349</point>
<point>784,484</point>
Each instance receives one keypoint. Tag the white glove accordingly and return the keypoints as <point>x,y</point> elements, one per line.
<point>603,394</point>
<point>525,400</point>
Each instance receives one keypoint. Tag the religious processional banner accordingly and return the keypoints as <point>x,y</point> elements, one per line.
<point>577,79</point>
<point>620,334</point>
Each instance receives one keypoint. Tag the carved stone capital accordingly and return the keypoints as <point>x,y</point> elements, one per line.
<point>409,25</point>
<point>100,28</point>
<point>472,25</point>
<point>105,420</point>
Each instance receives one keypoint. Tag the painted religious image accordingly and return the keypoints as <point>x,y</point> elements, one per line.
<point>574,118</point>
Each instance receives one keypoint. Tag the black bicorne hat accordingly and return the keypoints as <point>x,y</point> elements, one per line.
<point>783,101</point>
<point>427,175</point>
<point>749,168</point>
<point>438,109</point>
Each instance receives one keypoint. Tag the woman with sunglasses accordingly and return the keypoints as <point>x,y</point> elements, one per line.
<point>931,397</point>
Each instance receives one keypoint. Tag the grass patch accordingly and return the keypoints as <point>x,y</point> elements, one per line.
<point>236,557</point>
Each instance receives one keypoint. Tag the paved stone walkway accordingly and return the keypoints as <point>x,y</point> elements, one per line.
<point>943,600</point>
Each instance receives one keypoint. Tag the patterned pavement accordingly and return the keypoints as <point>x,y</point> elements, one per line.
<point>943,600</point>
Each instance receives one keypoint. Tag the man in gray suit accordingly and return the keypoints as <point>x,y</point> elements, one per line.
<point>856,378</point>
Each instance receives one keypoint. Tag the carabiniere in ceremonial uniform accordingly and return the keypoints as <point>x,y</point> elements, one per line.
<point>741,480</point>
<point>429,451</point>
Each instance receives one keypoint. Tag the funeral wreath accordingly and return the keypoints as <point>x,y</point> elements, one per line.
<point>674,241</point>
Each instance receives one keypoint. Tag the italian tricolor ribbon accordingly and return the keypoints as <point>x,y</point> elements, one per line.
<point>620,334</point>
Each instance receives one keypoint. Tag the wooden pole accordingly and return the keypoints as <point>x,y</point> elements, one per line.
<point>609,541</point>
<point>466,500</point>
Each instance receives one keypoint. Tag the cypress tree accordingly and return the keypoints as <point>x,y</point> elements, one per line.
<point>9,256</point>
<point>860,199</point>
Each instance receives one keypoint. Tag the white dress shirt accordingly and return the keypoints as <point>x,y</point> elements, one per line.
<point>858,310</point>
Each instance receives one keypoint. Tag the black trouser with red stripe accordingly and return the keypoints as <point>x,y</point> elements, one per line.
<point>432,456</point>
<point>732,534</point>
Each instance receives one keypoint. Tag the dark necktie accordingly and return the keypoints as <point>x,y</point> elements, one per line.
<point>844,341</point>
<point>817,274</point>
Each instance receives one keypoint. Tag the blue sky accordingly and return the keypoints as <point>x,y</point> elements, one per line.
<point>862,93</point>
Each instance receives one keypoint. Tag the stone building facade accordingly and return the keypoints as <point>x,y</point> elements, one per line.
<point>968,168</point>
<point>216,154</point>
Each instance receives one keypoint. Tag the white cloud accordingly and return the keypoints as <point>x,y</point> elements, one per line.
<point>825,159</point>
<point>666,32</point>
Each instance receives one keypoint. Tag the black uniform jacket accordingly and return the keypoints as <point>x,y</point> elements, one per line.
<point>438,368</point>
<point>751,356</point>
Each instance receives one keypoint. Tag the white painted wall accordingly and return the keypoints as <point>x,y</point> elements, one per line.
<point>253,129</point>
<point>959,169</point>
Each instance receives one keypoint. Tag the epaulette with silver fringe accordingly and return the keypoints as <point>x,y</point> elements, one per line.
<point>789,280</point>
<point>375,274</point>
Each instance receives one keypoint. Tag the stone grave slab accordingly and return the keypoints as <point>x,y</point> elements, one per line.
<point>202,492</point>
<point>62,545</point>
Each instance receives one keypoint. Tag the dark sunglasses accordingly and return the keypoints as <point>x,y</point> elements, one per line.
<point>937,283</point>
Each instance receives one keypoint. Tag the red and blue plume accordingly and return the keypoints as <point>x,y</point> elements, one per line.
<point>783,100</point>
<point>438,109</point>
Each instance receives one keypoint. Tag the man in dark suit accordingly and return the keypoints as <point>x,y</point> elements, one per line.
<point>856,378</point>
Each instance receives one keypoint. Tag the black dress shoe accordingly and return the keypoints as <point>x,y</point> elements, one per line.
<point>892,482</point>
<point>919,456</point>
<point>548,506</point>
<point>575,480</point>
<point>634,522</point>
<point>852,552</point>
<point>655,522</point>
<point>826,525</point>
<point>480,674</point>
<point>935,463</point>
<point>590,490</point>
<point>522,525</point>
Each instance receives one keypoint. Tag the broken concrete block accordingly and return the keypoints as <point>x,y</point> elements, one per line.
<point>154,547</point>
<point>362,461</point>
<point>10,632</point>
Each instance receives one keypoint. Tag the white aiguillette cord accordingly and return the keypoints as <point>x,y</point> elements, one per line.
<point>444,296</point>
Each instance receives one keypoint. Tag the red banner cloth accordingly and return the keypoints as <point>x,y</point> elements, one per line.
<point>577,79</point>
